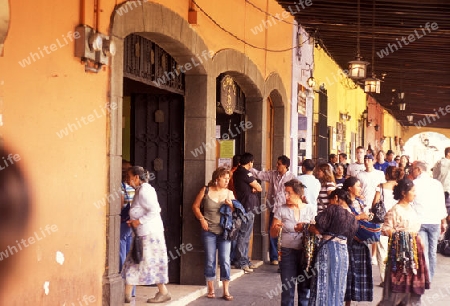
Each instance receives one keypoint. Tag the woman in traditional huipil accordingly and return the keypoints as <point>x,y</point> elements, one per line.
<point>359,277</point>
<point>406,275</point>
<point>337,225</point>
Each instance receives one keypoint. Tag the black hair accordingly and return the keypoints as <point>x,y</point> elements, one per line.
<point>403,186</point>
<point>308,164</point>
<point>246,158</point>
<point>349,182</point>
<point>284,160</point>
<point>296,186</point>
<point>343,155</point>
<point>341,194</point>
<point>143,174</point>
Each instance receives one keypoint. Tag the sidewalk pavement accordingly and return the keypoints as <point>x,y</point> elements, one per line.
<point>258,288</point>
<point>183,294</point>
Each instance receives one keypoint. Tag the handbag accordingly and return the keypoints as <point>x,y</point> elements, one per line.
<point>379,210</point>
<point>204,200</point>
<point>443,247</point>
<point>137,249</point>
<point>368,232</point>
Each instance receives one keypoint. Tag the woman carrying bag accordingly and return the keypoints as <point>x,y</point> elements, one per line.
<point>145,219</point>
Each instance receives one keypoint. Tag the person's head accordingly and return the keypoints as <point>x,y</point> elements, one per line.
<point>324,174</point>
<point>220,178</point>
<point>283,164</point>
<point>360,151</point>
<point>236,160</point>
<point>394,173</point>
<point>380,156</point>
<point>397,159</point>
<point>340,170</point>
<point>390,155</point>
<point>15,210</point>
<point>332,158</point>
<point>293,190</point>
<point>342,158</point>
<point>137,175</point>
<point>447,152</point>
<point>368,162</point>
<point>340,196</point>
<point>308,165</point>
<point>404,161</point>
<point>125,166</point>
<point>353,186</point>
<point>418,168</point>
<point>369,151</point>
<point>246,159</point>
<point>404,190</point>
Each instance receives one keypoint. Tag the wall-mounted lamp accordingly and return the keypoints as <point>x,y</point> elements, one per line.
<point>311,82</point>
<point>401,95</point>
<point>402,106</point>
<point>410,118</point>
<point>345,116</point>
<point>365,114</point>
<point>369,123</point>
<point>377,127</point>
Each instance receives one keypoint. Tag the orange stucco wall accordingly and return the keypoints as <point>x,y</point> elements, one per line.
<point>68,174</point>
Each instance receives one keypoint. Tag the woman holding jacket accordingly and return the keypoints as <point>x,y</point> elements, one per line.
<point>216,194</point>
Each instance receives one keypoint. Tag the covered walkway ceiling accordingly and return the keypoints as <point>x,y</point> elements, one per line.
<point>421,65</point>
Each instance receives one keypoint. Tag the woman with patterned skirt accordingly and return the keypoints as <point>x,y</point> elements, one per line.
<point>337,225</point>
<point>406,275</point>
<point>359,276</point>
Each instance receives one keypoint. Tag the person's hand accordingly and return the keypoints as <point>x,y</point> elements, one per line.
<point>298,227</point>
<point>254,190</point>
<point>229,203</point>
<point>362,216</point>
<point>133,223</point>
<point>443,228</point>
<point>313,230</point>
<point>204,224</point>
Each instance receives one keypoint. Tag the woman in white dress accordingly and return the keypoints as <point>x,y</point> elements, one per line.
<point>145,218</point>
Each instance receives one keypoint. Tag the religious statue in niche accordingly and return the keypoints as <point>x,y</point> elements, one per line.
<point>228,95</point>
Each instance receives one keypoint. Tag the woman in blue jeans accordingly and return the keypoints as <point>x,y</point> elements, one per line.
<point>216,194</point>
<point>290,218</point>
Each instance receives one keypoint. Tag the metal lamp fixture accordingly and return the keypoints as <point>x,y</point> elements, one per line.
<point>402,105</point>
<point>357,68</point>
<point>311,82</point>
<point>410,118</point>
<point>365,114</point>
<point>372,85</point>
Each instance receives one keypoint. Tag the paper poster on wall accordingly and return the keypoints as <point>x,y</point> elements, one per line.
<point>217,131</point>
<point>224,162</point>
<point>226,148</point>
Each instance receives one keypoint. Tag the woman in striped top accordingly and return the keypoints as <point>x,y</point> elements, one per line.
<point>326,178</point>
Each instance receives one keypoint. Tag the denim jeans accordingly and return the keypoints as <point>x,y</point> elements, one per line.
<point>429,234</point>
<point>242,242</point>
<point>126,238</point>
<point>273,242</point>
<point>211,243</point>
<point>290,270</point>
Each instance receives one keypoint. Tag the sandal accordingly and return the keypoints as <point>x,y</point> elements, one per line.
<point>211,295</point>
<point>227,297</point>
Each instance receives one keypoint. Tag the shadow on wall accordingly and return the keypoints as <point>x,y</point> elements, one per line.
<point>14,211</point>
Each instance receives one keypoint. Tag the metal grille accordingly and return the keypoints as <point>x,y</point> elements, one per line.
<point>148,63</point>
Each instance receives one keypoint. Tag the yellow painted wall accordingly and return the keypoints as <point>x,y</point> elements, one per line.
<point>69,174</point>
<point>342,97</point>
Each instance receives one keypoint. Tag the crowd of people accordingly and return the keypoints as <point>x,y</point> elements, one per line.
<point>319,215</point>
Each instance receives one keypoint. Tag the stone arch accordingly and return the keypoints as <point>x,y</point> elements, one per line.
<point>174,34</point>
<point>274,88</point>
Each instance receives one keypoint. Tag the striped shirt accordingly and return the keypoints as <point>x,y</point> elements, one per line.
<point>322,200</point>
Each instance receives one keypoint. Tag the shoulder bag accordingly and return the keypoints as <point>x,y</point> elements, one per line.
<point>379,210</point>
<point>368,232</point>
<point>202,204</point>
<point>137,249</point>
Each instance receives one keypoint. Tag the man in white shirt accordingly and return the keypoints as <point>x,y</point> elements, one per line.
<point>441,172</point>
<point>275,195</point>
<point>429,204</point>
<point>371,180</point>
<point>354,168</point>
<point>311,182</point>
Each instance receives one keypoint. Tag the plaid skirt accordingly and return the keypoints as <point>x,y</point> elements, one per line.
<point>153,269</point>
<point>359,276</point>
